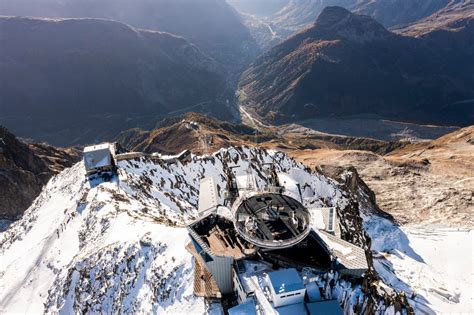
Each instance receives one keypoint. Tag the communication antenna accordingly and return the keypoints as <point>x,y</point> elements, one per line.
<point>251,185</point>
<point>251,182</point>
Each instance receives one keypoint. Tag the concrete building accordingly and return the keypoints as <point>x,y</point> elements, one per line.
<point>173,159</point>
<point>286,287</point>
<point>99,158</point>
<point>247,250</point>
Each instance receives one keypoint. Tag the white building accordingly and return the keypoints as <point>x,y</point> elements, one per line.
<point>286,287</point>
<point>208,195</point>
<point>100,157</point>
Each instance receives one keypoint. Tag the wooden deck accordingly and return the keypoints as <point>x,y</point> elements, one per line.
<point>204,283</point>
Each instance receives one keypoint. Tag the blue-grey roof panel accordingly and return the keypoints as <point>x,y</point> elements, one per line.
<point>330,307</point>
<point>246,308</point>
<point>286,280</point>
<point>293,309</point>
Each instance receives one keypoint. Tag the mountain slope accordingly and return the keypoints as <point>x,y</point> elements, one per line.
<point>201,135</point>
<point>108,74</point>
<point>24,170</point>
<point>453,17</point>
<point>428,182</point>
<point>119,246</point>
<point>399,12</point>
<point>80,259</point>
<point>349,64</point>
<point>212,25</point>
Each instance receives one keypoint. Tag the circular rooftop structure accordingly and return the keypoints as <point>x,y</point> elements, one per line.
<point>271,220</point>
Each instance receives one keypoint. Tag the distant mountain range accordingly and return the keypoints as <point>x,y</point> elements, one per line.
<point>349,64</point>
<point>259,7</point>
<point>454,17</point>
<point>270,24</point>
<point>213,25</point>
<point>70,81</point>
<point>87,70</point>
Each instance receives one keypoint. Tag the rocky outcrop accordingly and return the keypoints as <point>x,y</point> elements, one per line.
<point>428,182</point>
<point>362,204</point>
<point>24,169</point>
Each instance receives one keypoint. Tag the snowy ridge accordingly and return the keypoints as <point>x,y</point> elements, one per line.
<point>119,246</point>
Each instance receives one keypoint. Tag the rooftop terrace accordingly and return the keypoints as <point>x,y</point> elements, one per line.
<point>272,220</point>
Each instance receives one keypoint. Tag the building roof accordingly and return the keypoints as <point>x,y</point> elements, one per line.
<point>207,194</point>
<point>98,147</point>
<point>246,308</point>
<point>97,156</point>
<point>292,309</point>
<point>286,280</point>
<point>271,220</point>
<point>349,256</point>
<point>215,236</point>
<point>330,307</point>
<point>313,292</point>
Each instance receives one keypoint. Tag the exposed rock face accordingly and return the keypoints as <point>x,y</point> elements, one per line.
<point>427,182</point>
<point>89,79</point>
<point>24,169</point>
<point>349,64</point>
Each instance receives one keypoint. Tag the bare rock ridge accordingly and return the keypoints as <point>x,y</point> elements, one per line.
<point>202,134</point>
<point>428,182</point>
<point>24,169</point>
<point>110,75</point>
<point>348,64</point>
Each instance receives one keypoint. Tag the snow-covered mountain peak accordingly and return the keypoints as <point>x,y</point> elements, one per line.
<point>119,246</point>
